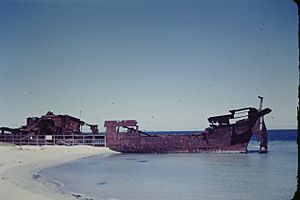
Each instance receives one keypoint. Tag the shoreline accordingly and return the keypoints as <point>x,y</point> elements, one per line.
<point>20,167</point>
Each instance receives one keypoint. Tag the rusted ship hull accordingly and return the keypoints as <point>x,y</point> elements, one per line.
<point>226,139</point>
<point>178,143</point>
<point>223,137</point>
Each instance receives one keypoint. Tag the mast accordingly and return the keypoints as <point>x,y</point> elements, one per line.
<point>262,130</point>
<point>257,127</point>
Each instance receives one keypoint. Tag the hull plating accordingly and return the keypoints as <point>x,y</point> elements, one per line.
<point>221,136</point>
<point>232,139</point>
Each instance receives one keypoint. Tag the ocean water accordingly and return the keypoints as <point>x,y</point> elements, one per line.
<point>214,176</point>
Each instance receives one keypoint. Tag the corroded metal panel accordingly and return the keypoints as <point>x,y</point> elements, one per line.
<point>221,135</point>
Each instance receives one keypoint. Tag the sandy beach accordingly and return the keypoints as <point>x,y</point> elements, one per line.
<point>19,166</point>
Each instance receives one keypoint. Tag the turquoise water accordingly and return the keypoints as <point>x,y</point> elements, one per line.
<point>211,176</point>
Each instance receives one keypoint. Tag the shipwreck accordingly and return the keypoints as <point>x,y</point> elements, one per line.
<point>226,133</point>
<point>52,129</point>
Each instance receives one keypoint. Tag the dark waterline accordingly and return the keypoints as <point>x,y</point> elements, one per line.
<point>274,135</point>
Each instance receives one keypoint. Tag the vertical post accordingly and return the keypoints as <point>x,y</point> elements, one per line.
<point>80,112</point>
<point>260,108</point>
<point>260,103</point>
<point>259,121</point>
<point>93,140</point>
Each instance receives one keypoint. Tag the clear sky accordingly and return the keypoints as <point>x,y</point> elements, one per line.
<point>167,64</point>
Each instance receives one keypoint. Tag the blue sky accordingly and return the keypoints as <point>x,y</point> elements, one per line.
<point>168,64</point>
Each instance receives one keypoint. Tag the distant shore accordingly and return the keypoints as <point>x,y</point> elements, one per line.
<point>19,167</point>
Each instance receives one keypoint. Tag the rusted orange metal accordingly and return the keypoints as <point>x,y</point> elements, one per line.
<point>230,132</point>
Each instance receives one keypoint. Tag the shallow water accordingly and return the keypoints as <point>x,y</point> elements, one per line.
<point>183,176</point>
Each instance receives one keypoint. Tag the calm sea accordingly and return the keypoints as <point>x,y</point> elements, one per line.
<point>212,176</point>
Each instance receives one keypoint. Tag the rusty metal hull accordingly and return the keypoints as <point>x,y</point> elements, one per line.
<point>226,133</point>
<point>229,139</point>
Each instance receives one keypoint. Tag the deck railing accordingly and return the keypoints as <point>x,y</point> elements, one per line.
<point>68,140</point>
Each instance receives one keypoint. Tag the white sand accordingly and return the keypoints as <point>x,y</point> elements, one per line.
<point>19,164</point>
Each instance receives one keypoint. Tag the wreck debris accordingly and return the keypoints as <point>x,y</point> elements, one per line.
<point>52,129</point>
<point>231,132</point>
